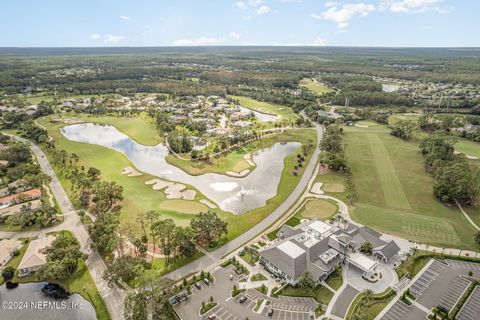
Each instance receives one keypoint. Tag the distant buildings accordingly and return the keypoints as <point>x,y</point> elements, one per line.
<point>320,248</point>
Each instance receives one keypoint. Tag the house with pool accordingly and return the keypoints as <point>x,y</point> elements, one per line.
<point>320,248</point>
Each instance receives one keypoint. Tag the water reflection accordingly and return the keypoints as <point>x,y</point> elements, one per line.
<point>237,195</point>
<point>27,302</point>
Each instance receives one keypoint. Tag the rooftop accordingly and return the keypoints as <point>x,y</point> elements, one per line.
<point>291,249</point>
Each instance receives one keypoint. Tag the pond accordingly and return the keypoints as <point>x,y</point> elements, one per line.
<point>237,195</point>
<point>27,302</point>
<point>262,117</point>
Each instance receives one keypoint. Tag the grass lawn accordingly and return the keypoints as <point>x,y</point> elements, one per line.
<point>468,147</point>
<point>266,107</point>
<point>333,183</point>
<point>184,206</point>
<point>250,258</point>
<point>321,209</point>
<point>394,118</point>
<point>375,306</point>
<point>320,294</point>
<point>257,277</point>
<point>394,193</point>
<point>315,86</point>
<point>335,279</point>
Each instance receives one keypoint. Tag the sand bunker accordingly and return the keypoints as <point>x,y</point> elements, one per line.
<point>360,126</point>
<point>67,121</point>
<point>173,190</point>
<point>208,204</point>
<point>131,172</point>
<point>243,173</point>
<point>248,158</point>
<point>317,188</point>
<point>470,157</point>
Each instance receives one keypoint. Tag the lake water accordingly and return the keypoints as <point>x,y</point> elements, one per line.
<point>262,117</point>
<point>27,302</point>
<point>237,195</point>
<point>390,87</point>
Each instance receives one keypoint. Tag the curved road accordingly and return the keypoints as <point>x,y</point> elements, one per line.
<point>210,260</point>
<point>112,297</point>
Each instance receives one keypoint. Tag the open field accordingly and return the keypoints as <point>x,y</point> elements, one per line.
<point>320,209</point>
<point>394,193</point>
<point>315,86</point>
<point>140,198</point>
<point>266,107</point>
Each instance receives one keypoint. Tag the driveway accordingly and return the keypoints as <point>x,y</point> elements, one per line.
<point>389,278</point>
<point>343,302</point>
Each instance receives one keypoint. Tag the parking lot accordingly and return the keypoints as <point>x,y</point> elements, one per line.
<point>430,275</point>
<point>463,265</point>
<point>294,304</point>
<point>471,308</point>
<point>287,315</point>
<point>401,311</point>
<point>454,292</point>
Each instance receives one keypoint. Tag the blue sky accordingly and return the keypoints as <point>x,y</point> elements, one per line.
<point>239,22</point>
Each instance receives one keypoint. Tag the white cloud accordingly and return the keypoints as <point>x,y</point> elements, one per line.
<point>111,39</point>
<point>318,42</point>
<point>262,10</point>
<point>412,6</point>
<point>234,35</point>
<point>342,15</point>
<point>125,19</point>
<point>95,36</point>
<point>240,5</point>
<point>203,41</point>
<point>256,7</point>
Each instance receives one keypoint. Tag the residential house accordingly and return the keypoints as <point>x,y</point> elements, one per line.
<point>22,196</point>
<point>35,256</point>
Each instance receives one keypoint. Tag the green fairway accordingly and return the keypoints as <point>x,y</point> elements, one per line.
<point>140,198</point>
<point>394,193</point>
<point>315,86</point>
<point>468,147</point>
<point>266,107</point>
<point>232,161</point>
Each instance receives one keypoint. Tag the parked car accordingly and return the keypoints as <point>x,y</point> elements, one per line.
<point>242,299</point>
<point>212,317</point>
<point>206,281</point>
<point>270,312</point>
<point>312,315</point>
<point>198,285</point>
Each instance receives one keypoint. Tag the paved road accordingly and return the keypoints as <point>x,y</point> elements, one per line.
<point>207,263</point>
<point>113,297</point>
